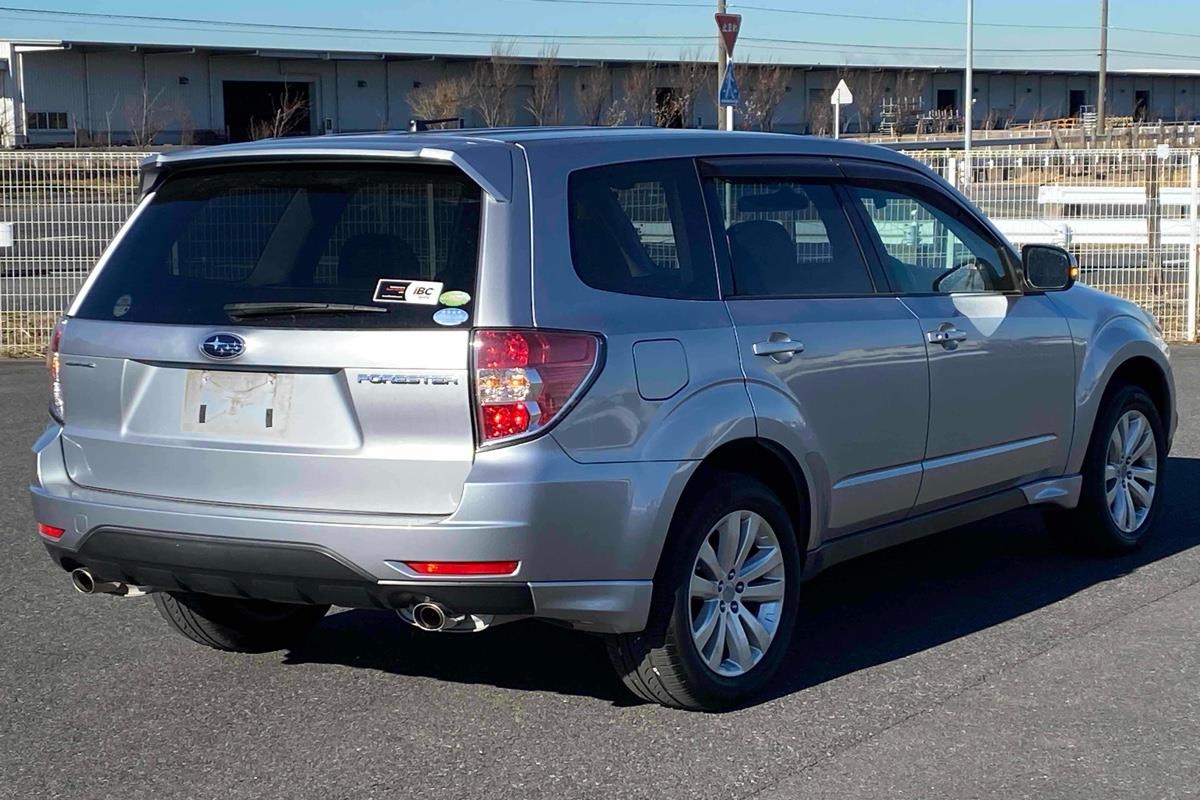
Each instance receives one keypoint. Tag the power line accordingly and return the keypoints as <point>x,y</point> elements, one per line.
<point>313,31</point>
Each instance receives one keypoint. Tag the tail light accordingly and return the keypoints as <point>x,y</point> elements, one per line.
<point>524,380</point>
<point>50,532</point>
<point>464,567</point>
<point>54,367</point>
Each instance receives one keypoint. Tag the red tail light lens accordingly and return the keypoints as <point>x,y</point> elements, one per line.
<point>463,567</point>
<point>54,367</point>
<point>50,532</point>
<point>525,379</point>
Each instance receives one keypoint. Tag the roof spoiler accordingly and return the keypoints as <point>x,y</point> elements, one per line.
<point>490,167</point>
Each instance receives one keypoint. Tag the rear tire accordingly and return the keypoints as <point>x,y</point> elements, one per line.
<point>235,625</point>
<point>675,661</point>
<point>1123,475</point>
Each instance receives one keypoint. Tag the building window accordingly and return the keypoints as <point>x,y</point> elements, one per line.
<point>47,120</point>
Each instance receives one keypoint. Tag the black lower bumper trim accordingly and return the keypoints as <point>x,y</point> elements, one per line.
<point>281,571</point>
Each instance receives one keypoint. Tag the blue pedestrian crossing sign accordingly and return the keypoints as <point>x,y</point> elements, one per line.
<point>729,88</point>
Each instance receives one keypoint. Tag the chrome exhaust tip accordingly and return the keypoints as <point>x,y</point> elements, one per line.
<point>85,583</point>
<point>429,616</point>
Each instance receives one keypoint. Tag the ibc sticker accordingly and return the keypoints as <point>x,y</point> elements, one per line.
<point>392,290</point>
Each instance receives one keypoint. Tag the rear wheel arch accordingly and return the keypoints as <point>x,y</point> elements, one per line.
<point>768,462</point>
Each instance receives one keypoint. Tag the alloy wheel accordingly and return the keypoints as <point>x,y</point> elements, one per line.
<point>736,593</point>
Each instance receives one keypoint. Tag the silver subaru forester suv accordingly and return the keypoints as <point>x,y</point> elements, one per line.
<point>642,383</point>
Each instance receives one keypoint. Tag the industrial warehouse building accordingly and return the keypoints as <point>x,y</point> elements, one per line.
<point>80,93</point>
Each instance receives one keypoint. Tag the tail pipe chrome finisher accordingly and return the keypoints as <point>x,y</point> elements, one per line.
<point>85,583</point>
<point>430,616</point>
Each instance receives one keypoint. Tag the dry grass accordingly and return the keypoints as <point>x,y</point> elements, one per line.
<point>24,334</point>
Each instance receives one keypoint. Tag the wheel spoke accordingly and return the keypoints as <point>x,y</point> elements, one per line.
<point>1111,472</point>
<point>748,539</point>
<point>702,588</point>
<point>764,562</point>
<point>1133,434</point>
<point>759,636</point>
<point>1130,511</point>
<point>1147,475</point>
<point>717,655</point>
<point>728,539</point>
<point>739,645</point>
<point>704,633</point>
<point>708,558</point>
<point>1144,443</point>
<point>1139,494</point>
<point>766,592</point>
<point>1118,506</point>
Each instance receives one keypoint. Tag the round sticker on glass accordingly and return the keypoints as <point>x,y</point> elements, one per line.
<point>450,316</point>
<point>121,307</point>
<point>454,298</point>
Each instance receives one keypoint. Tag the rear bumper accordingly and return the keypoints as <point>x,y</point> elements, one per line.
<point>588,537</point>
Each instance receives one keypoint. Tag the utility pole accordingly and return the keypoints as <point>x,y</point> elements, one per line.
<point>1103,68</point>
<point>969,94</point>
<point>724,113</point>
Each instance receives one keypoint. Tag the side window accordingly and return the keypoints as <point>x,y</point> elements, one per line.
<point>929,248</point>
<point>789,238</point>
<point>640,229</point>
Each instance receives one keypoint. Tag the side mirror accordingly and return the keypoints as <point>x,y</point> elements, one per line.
<point>1048,268</point>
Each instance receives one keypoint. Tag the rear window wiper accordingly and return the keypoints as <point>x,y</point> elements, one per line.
<point>281,309</point>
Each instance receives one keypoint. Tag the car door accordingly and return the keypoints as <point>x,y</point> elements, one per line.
<point>1001,362</point>
<point>835,370</point>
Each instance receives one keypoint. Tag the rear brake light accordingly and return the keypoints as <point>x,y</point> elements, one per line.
<point>50,532</point>
<point>54,367</point>
<point>524,380</point>
<point>463,567</point>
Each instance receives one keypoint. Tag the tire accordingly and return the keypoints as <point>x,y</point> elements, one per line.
<point>1093,525</point>
<point>664,664</point>
<point>235,625</point>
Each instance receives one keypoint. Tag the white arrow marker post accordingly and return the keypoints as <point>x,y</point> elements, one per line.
<point>841,97</point>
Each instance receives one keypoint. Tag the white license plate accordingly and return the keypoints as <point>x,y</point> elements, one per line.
<point>244,405</point>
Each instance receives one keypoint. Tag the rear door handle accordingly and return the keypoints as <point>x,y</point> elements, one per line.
<point>947,336</point>
<point>779,346</point>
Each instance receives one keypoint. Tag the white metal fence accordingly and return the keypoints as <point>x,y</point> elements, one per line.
<point>1132,217</point>
<point>58,211</point>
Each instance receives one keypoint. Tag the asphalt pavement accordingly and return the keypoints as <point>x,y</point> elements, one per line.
<point>982,662</point>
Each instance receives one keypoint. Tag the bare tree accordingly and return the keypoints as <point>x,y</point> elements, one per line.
<point>869,88</point>
<point>287,112</point>
<point>592,95</point>
<point>147,117</point>
<point>492,82</point>
<point>446,98</point>
<point>8,130</point>
<point>690,79</point>
<point>638,100</point>
<point>767,88</point>
<point>543,101</point>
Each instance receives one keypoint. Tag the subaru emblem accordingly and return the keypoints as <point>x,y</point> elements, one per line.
<point>223,346</point>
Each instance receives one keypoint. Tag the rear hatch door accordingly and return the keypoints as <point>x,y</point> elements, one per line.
<point>282,335</point>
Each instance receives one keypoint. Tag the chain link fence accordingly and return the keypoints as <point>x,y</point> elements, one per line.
<point>1130,216</point>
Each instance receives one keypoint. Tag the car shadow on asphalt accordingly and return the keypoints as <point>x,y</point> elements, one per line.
<point>867,612</point>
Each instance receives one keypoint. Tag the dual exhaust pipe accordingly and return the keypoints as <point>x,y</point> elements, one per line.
<point>85,583</point>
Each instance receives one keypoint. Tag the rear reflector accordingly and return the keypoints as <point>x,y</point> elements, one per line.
<point>525,379</point>
<point>50,532</point>
<point>463,567</point>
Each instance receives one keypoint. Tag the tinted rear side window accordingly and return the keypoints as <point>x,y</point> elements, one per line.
<point>308,233</point>
<point>640,229</point>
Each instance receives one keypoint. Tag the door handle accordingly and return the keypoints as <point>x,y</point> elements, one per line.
<point>946,335</point>
<point>779,346</point>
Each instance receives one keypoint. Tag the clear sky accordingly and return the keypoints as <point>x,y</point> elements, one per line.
<point>1042,34</point>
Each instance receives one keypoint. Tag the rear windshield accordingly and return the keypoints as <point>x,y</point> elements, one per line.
<point>237,246</point>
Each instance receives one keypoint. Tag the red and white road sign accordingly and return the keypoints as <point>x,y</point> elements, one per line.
<point>729,25</point>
